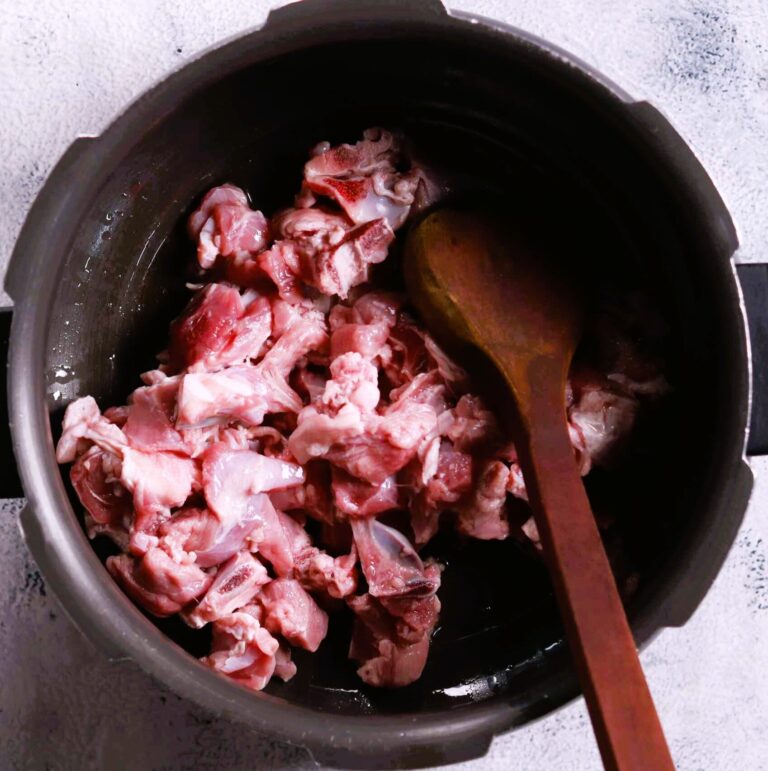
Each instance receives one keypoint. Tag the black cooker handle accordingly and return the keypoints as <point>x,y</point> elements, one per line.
<point>10,486</point>
<point>754,288</point>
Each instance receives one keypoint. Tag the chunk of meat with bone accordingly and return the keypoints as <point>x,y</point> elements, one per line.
<point>357,498</point>
<point>231,477</point>
<point>451,481</point>
<point>203,537</point>
<point>390,638</point>
<point>243,650</point>
<point>363,179</point>
<point>236,582</point>
<point>337,270</point>
<point>206,325</point>
<point>225,225</point>
<point>365,444</point>
<point>220,327</point>
<point>244,393</point>
<point>329,264</point>
<point>149,423</point>
<point>84,426</point>
<point>483,515</point>
<point>234,482</point>
<point>306,332</point>
<point>320,572</point>
<point>97,484</point>
<point>189,533</point>
<point>290,611</point>
<point>159,482</point>
<point>390,564</point>
<point>157,583</point>
<point>314,569</point>
<point>601,419</point>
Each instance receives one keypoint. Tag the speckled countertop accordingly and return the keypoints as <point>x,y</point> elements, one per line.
<point>67,68</point>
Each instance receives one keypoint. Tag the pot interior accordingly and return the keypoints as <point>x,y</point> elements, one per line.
<point>488,114</point>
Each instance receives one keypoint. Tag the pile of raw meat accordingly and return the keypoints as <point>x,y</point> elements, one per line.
<point>292,392</point>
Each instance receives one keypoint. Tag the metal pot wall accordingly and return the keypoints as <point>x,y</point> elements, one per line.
<point>98,270</point>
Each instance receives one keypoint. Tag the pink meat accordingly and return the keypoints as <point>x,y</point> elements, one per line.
<point>200,536</point>
<point>454,376</point>
<point>236,582</point>
<point>406,352</point>
<point>324,251</point>
<point>297,537</point>
<point>216,196</point>
<point>415,616</point>
<point>314,569</point>
<point>237,228</point>
<point>84,426</point>
<point>316,433</point>
<point>483,514</point>
<point>231,477</point>
<point>243,650</point>
<point>339,269</point>
<point>306,333</point>
<point>158,583</point>
<point>282,264</point>
<point>373,456</point>
<point>390,638</point>
<point>99,490</point>
<point>516,483</point>
<point>243,392</point>
<point>290,611</point>
<point>602,420</point>
<point>225,225</point>
<point>451,481</point>
<point>313,498</point>
<point>271,541</point>
<point>365,444</point>
<point>159,481</point>
<point>190,531</point>
<point>335,576</point>
<point>474,427</point>
<point>148,426</point>
<point>309,382</point>
<point>362,178</point>
<point>365,339</point>
<point>206,326</point>
<point>354,381</point>
<point>310,230</point>
<point>389,562</point>
<point>426,388</point>
<point>119,415</point>
<point>285,669</point>
<point>360,499</point>
<point>249,335</point>
<point>233,481</point>
<point>377,307</point>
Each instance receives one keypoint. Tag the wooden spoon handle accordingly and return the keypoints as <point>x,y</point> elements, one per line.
<point>628,731</point>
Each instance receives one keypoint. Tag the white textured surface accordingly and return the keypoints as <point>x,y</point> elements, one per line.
<point>67,68</point>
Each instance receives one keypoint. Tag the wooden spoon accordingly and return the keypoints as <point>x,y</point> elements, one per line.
<point>479,285</point>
